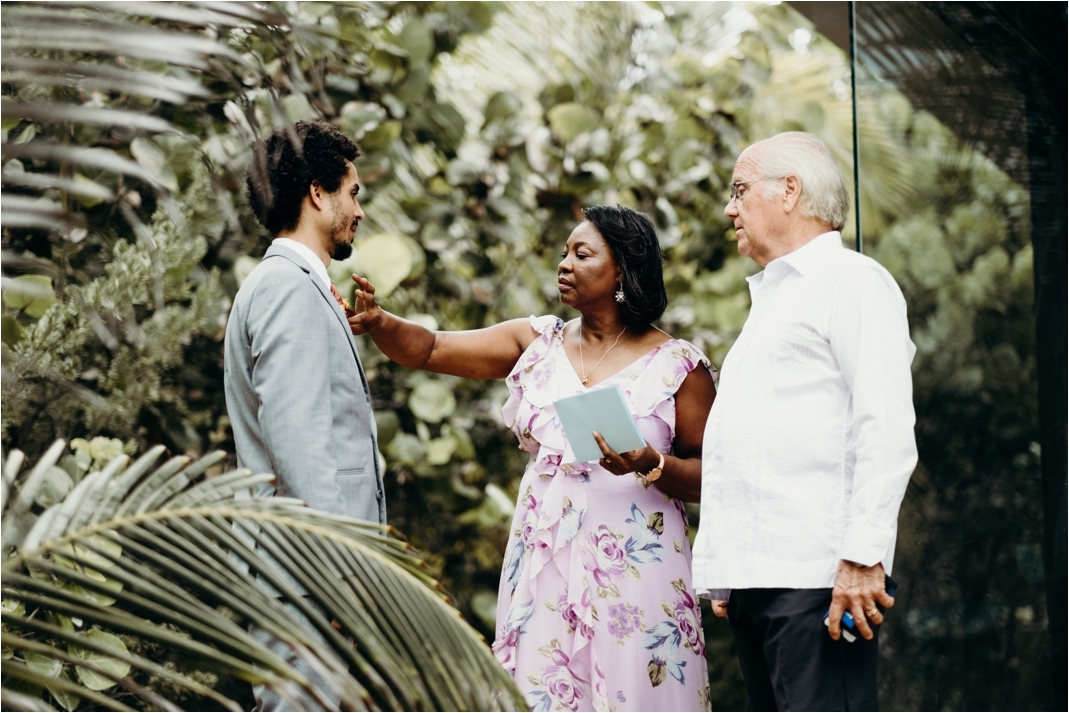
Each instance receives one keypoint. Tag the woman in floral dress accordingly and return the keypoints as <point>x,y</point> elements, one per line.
<point>595,607</point>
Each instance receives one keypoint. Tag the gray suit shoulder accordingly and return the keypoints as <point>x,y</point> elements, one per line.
<point>273,278</point>
<point>274,270</point>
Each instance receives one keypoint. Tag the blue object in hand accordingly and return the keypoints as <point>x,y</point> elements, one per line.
<point>849,627</point>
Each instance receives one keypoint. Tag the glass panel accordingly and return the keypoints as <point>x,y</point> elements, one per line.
<point>970,628</point>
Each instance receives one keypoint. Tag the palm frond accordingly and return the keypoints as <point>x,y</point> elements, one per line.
<point>803,85</point>
<point>51,112</point>
<point>168,555</point>
<point>104,67</point>
<point>89,77</point>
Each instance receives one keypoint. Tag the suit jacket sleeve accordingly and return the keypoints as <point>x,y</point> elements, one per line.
<point>289,328</point>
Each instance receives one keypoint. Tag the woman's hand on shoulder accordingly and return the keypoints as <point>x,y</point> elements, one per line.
<point>488,353</point>
<point>368,313</point>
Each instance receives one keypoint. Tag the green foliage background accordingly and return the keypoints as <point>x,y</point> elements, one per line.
<point>485,129</point>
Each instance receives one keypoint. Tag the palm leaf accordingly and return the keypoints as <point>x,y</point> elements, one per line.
<point>58,113</point>
<point>168,555</point>
<point>110,52</point>
<point>804,83</point>
<point>89,77</point>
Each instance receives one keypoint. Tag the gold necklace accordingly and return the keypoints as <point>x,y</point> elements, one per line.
<point>582,364</point>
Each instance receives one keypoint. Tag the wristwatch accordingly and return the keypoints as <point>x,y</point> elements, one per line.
<point>654,473</point>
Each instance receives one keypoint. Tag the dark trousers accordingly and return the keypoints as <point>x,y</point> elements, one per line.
<point>788,660</point>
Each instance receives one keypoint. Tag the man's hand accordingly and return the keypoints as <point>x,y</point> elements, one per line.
<point>368,313</point>
<point>720,608</point>
<point>858,590</point>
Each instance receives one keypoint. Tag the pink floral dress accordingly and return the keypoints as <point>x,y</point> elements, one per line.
<point>595,609</point>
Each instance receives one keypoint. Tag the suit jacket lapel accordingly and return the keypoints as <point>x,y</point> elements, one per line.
<point>286,253</point>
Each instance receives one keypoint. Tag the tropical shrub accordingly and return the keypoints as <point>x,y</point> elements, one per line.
<point>118,153</point>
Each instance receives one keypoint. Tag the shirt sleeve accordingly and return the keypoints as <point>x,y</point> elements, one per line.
<point>870,340</point>
<point>289,329</point>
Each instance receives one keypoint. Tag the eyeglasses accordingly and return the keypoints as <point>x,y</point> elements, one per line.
<point>737,195</point>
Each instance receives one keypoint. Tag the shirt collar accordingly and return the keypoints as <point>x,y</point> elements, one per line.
<point>801,260</point>
<point>310,257</point>
<point>813,253</point>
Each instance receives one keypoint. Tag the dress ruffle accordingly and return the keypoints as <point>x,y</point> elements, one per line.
<point>536,382</point>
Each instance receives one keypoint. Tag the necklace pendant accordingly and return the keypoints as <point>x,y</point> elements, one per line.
<point>586,382</point>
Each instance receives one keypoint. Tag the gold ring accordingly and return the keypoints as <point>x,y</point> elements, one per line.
<point>872,612</point>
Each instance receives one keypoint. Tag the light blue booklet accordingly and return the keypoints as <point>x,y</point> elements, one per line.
<point>602,410</point>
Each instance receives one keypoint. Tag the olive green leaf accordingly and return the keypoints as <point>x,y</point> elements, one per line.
<point>33,294</point>
<point>387,260</point>
<point>110,669</point>
<point>56,484</point>
<point>432,401</point>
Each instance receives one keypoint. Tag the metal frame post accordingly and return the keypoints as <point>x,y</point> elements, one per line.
<point>852,20</point>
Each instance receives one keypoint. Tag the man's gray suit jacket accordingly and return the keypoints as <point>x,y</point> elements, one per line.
<point>296,394</point>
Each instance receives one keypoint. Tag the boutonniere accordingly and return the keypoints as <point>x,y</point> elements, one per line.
<point>349,311</point>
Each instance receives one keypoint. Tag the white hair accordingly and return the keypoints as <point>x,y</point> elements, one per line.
<point>795,153</point>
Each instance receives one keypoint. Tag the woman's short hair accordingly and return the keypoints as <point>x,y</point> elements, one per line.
<point>823,184</point>
<point>633,240</point>
<point>288,162</point>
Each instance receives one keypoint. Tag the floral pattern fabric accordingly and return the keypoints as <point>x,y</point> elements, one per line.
<point>595,608</point>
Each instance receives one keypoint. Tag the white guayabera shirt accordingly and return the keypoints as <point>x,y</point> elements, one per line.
<point>809,445</point>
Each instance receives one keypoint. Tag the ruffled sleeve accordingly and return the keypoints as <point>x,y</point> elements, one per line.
<point>534,385</point>
<point>531,375</point>
<point>653,392</point>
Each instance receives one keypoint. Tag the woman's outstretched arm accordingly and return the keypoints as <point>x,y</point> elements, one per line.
<point>488,353</point>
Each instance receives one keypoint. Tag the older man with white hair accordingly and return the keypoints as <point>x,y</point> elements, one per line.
<point>809,445</point>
